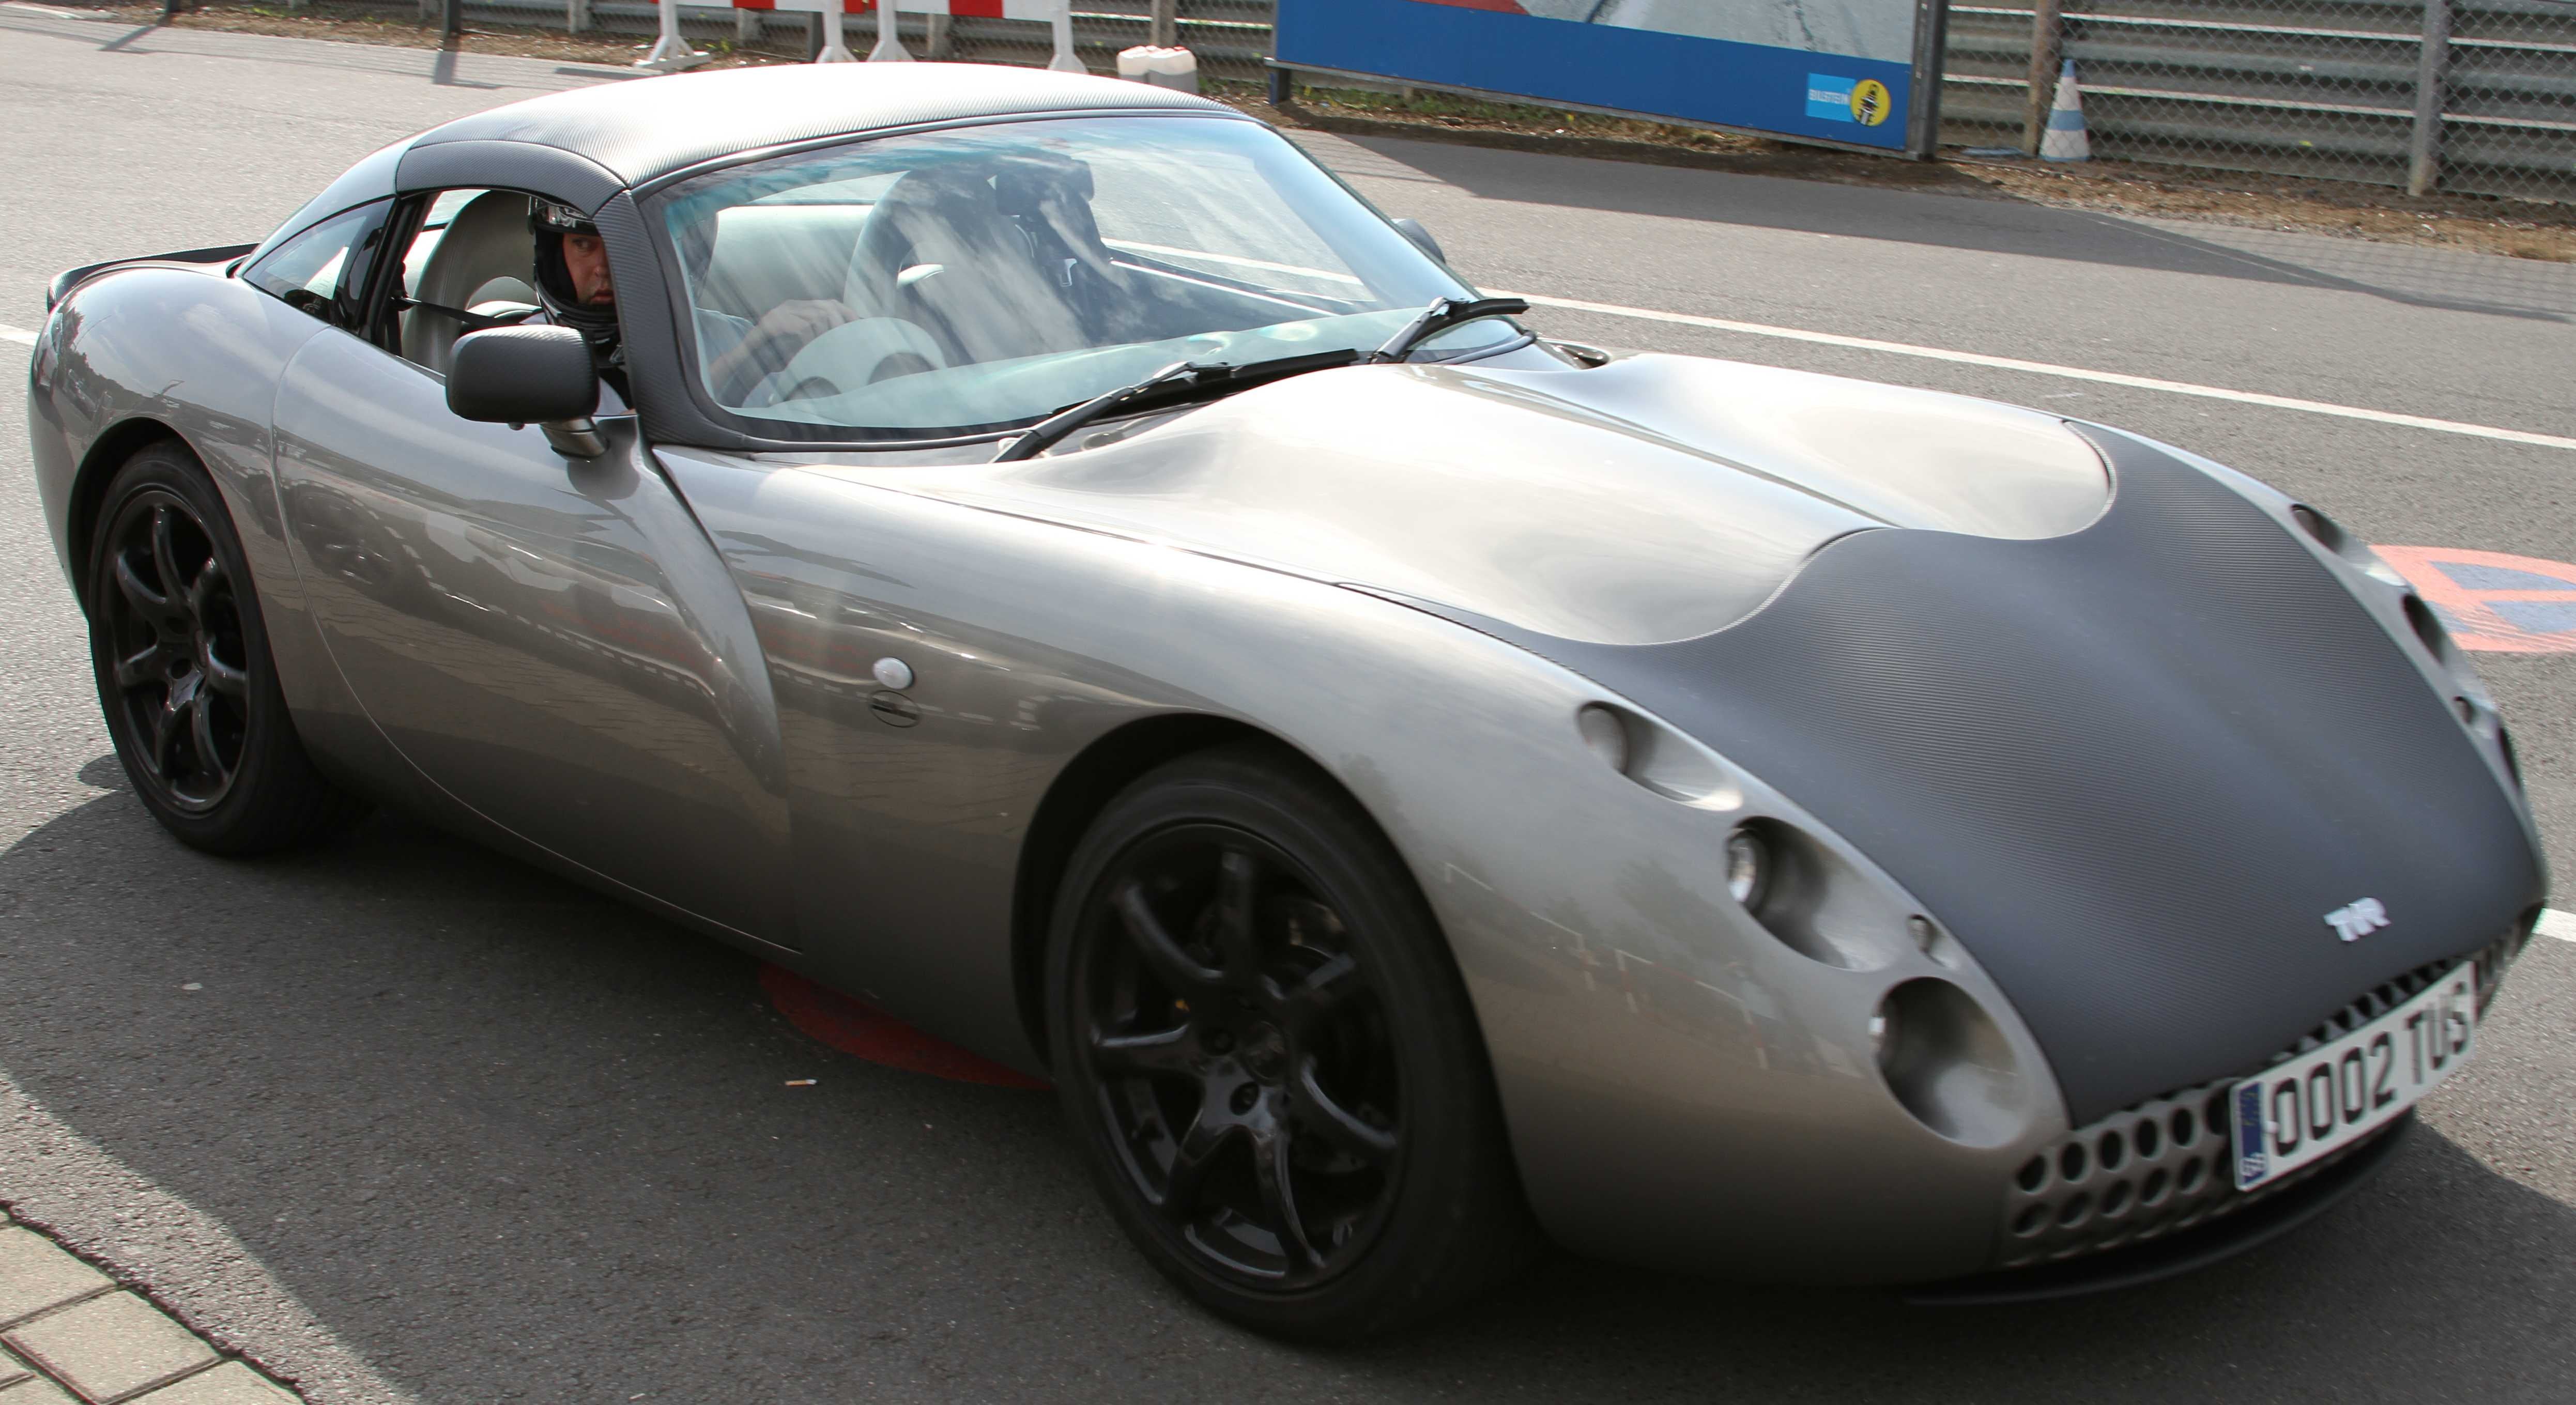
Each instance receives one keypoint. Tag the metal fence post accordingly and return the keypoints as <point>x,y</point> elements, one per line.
<point>454,23</point>
<point>1931,52</point>
<point>746,27</point>
<point>2432,92</point>
<point>576,16</point>
<point>1163,25</point>
<point>937,43</point>
<point>2047,40</point>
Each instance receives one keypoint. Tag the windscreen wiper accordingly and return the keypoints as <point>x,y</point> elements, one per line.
<point>1440,317</point>
<point>1180,381</point>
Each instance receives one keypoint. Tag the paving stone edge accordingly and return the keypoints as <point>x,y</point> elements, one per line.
<point>38,1371</point>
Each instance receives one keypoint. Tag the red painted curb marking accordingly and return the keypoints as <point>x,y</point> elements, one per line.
<point>856,1028</point>
<point>2489,600</point>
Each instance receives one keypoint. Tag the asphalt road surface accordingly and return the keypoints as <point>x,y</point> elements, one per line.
<point>404,1121</point>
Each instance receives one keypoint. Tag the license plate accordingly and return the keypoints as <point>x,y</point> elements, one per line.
<point>2335,1094</point>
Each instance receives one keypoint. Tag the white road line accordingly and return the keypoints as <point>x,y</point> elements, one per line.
<point>20,335</point>
<point>2042,368</point>
<point>2561,925</point>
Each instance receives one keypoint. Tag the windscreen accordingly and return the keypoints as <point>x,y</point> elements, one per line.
<point>975,278</point>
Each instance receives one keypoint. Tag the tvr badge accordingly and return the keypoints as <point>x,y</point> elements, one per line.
<point>2358,918</point>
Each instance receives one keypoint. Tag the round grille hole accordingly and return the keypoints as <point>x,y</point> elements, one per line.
<point>2218,1167</point>
<point>2148,1137</point>
<point>2153,1192</point>
<point>2030,1221</point>
<point>2034,1174</point>
<point>2216,1113</point>
<point>2116,1199</point>
<point>2074,1211</point>
<point>2112,1150</point>
<point>2070,1163</point>
<point>2183,1128</point>
<point>2191,1174</point>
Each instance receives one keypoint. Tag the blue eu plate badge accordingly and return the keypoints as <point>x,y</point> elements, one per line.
<point>2252,1163</point>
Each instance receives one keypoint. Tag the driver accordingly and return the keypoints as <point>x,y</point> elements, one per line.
<point>573,283</point>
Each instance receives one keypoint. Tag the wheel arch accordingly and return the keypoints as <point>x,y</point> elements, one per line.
<point>1076,797</point>
<point>121,441</point>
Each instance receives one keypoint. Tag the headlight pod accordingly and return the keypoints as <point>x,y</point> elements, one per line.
<point>1914,999</point>
<point>2353,550</point>
<point>2470,701</point>
<point>1657,757</point>
<point>1748,867</point>
<point>1948,1064</point>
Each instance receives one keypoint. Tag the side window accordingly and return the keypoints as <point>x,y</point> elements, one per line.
<point>323,271</point>
<point>472,253</point>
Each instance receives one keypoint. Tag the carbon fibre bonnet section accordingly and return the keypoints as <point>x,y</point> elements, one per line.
<point>2132,768</point>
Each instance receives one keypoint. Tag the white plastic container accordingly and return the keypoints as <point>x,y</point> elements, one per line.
<point>1164,68</point>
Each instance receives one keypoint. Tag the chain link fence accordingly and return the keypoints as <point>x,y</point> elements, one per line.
<point>2472,97</point>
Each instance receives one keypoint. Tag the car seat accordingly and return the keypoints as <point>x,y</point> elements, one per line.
<point>485,254</point>
<point>941,250</point>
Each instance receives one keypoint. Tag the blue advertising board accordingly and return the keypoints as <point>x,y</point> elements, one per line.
<point>1839,71</point>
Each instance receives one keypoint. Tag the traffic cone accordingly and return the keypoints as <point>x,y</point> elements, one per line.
<point>2066,139</point>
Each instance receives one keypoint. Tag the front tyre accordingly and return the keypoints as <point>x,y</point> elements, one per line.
<point>184,674</point>
<point>1270,1059</point>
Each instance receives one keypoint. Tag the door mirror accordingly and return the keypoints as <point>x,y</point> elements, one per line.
<point>529,375</point>
<point>1412,229</point>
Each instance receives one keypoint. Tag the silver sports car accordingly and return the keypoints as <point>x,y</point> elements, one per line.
<point>1039,554</point>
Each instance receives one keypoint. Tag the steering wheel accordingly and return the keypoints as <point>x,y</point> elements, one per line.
<point>887,346</point>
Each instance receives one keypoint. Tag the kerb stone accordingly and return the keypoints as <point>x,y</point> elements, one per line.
<point>110,1347</point>
<point>229,1384</point>
<point>34,1275</point>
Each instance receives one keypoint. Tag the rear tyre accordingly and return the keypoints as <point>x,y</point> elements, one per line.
<point>1270,1059</point>
<point>183,668</point>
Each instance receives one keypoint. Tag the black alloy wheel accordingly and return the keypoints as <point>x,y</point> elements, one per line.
<point>173,626</point>
<point>1242,1061</point>
<point>184,675</point>
<point>1282,1090</point>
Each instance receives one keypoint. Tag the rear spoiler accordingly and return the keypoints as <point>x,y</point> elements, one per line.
<point>71,278</point>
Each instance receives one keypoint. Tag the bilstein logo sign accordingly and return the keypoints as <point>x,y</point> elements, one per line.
<point>1835,99</point>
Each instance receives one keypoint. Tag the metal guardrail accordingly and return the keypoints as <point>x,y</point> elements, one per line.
<point>2469,96</point>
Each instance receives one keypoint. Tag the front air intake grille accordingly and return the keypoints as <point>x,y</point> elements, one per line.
<point>2166,1164</point>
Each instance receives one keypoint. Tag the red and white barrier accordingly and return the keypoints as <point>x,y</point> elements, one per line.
<point>1057,14</point>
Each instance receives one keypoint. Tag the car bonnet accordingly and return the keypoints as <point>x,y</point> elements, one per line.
<point>2132,769</point>
<point>1655,499</point>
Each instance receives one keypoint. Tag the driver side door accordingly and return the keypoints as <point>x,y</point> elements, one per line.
<point>551,642</point>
